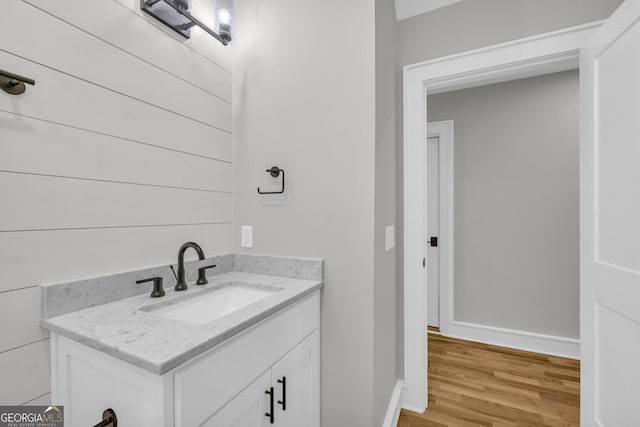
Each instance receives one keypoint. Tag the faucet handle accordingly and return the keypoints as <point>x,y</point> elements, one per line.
<point>202,277</point>
<point>158,289</point>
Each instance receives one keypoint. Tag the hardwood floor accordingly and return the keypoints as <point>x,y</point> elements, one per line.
<point>472,384</point>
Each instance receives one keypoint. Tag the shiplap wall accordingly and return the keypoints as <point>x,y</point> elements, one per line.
<point>118,155</point>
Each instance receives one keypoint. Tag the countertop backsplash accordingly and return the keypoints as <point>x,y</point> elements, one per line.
<point>62,298</point>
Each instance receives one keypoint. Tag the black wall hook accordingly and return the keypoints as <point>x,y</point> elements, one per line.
<point>109,419</point>
<point>275,172</point>
<point>13,84</point>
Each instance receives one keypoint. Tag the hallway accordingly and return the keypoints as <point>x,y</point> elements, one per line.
<point>473,384</point>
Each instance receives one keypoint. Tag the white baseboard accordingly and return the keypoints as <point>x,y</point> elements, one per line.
<point>395,404</point>
<point>520,340</point>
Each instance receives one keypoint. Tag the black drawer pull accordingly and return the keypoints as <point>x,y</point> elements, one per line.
<point>270,414</point>
<point>283,402</point>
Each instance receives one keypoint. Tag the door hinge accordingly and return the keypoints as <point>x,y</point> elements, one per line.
<point>433,241</point>
<point>424,262</point>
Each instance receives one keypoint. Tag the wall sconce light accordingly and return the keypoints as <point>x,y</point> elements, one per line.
<point>176,15</point>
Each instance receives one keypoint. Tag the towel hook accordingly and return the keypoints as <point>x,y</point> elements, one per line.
<point>109,419</point>
<point>13,84</point>
<point>275,172</point>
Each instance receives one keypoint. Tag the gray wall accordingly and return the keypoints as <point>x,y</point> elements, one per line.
<point>473,24</point>
<point>516,203</point>
<point>304,99</point>
<point>385,345</point>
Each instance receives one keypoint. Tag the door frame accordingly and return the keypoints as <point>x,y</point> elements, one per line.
<point>528,57</point>
<point>443,130</point>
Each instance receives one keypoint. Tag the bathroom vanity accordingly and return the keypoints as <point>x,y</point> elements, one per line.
<point>241,351</point>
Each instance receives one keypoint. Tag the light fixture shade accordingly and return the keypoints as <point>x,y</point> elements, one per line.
<point>224,18</point>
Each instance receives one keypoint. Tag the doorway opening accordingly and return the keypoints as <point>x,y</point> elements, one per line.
<point>514,191</point>
<point>535,56</point>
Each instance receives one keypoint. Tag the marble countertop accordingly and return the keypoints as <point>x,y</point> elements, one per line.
<point>125,330</point>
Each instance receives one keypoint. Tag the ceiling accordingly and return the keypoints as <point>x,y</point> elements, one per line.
<point>408,8</point>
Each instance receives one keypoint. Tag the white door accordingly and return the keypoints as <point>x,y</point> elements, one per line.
<point>296,384</point>
<point>610,222</point>
<point>250,408</point>
<point>433,231</point>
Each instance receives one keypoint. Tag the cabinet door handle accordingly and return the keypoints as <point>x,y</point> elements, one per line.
<point>270,414</point>
<point>283,402</point>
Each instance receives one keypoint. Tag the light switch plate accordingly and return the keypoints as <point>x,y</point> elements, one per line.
<point>389,237</point>
<point>246,236</point>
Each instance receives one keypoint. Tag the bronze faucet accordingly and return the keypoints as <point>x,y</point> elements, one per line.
<point>181,284</point>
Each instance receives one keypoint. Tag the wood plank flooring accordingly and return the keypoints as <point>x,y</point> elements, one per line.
<point>473,384</point>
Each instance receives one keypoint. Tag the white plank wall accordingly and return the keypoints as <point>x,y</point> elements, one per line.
<point>84,56</point>
<point>118,155</point>
<point>27,317</point>
<point>45,399</point>
<point>58,151</point>
<point>66,100</point>
<point>25,372</point>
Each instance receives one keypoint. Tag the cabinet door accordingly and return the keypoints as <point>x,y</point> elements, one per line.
<point>246,409</point>
<point>86,382</point>
<point>296,384</point>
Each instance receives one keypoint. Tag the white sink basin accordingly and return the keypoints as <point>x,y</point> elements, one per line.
<point>207,307</point>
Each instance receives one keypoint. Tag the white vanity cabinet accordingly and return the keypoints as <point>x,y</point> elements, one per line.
<point>233,384</point>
